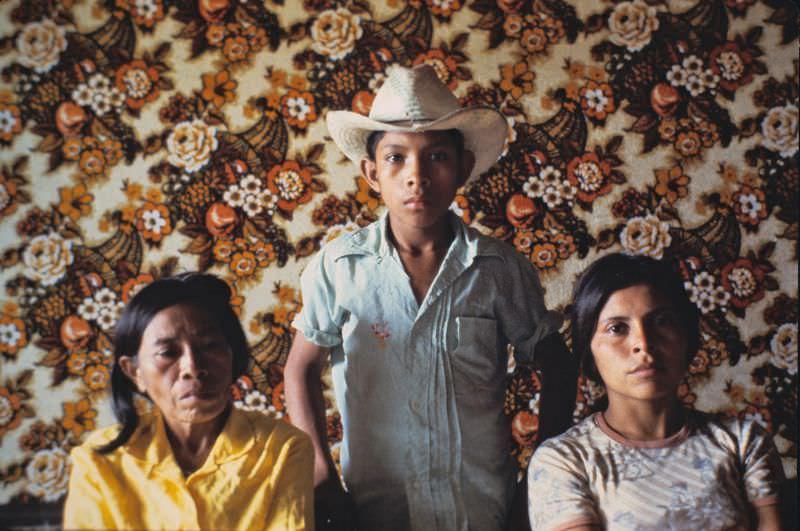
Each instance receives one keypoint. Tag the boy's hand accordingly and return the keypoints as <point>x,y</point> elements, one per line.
<point>334,509</point>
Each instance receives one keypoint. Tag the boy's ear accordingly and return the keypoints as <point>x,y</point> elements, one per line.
<point>369,170</point>
<point>467,164</point>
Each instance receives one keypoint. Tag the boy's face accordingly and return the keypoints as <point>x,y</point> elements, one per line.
<point>417,175</point>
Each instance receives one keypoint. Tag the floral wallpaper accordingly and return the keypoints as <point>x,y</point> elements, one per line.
<point>144,137</point>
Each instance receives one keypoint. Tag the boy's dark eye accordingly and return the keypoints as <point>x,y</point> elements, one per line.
<point>393,157</point>
<point>439,156</point>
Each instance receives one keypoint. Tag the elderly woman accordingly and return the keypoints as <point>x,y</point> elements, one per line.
<point>645,461</point>
<point>193,461</point>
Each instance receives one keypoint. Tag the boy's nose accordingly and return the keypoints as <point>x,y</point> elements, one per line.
<point>417,175</point>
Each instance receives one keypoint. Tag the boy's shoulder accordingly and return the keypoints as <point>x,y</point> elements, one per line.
<point>368,241</point>
<point>359,241</point>
<point>489,246</point>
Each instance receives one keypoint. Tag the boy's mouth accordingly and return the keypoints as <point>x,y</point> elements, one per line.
<point>416,202</point>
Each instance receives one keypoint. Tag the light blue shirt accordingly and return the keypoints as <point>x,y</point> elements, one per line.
<point>420,387</point>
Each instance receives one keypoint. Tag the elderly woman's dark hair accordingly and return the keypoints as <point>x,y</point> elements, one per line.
<point>618,271</point>
<point>201,290</point>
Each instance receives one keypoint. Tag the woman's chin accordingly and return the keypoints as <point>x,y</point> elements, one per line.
<point>197,411</point>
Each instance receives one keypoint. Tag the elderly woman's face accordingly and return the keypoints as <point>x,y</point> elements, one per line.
<point>184,364</point>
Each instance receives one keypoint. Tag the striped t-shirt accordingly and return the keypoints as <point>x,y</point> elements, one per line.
<point>707,476</point>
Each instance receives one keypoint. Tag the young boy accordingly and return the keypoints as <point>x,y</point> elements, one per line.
<point>416,311</point>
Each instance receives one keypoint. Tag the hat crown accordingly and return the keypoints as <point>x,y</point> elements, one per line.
<point>412,95</point>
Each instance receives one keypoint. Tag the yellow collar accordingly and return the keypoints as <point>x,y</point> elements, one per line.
<point>150,444</point>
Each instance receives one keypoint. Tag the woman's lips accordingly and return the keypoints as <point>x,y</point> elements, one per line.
<point>200,394</point>
<point>646,371</point>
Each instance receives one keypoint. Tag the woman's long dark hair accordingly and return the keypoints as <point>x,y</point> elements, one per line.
<point>617,271</point>
<point>201,290</point>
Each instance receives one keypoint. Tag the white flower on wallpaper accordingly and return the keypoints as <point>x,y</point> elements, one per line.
<point>190,145</point>
<point>784,348</point>
<point>46,258</point>
<point>704,291</point>
<point>99,94</point>
<point>40,45</point>
<point>646,235</point>
<point>335,32</point>
<point>632,24</point>
<point>780,130</point>
<point>48,474</point>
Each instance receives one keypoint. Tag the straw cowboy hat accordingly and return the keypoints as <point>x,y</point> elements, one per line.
<point>414,100</point>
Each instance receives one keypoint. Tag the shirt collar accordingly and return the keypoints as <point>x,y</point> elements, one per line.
<point>374,240</point>
<point>151,445</point>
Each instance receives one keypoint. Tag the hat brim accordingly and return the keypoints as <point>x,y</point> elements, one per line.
<point>484,129</point>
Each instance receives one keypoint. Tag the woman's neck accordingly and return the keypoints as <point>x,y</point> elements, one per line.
<point>645,420</point>
<point>192,442</point>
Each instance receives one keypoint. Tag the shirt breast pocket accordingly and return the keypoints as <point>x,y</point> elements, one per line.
<point>477,359</point>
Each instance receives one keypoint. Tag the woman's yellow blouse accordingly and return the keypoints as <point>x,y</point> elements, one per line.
<point>259,475</point>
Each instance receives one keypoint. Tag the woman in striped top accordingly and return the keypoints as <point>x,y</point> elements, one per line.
<point>645,461</point>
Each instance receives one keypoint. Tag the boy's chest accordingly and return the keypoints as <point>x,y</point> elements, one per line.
<point>450,348</point>
<point>385,289</point>
<point>386,326</point>
<point>421,269</point>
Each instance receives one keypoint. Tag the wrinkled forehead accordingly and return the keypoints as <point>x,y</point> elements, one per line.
<point>180,321</point>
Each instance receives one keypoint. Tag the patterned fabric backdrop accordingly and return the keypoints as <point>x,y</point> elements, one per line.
<point>144,137</point>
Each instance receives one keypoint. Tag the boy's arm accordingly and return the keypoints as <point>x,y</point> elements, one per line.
<point>559,386</point>
<point>304,401</point>
<point>333,507</point>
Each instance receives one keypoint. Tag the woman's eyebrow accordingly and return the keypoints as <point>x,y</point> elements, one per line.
<point>615,318</point>
<point>655,311</point>
<point>165,340</point>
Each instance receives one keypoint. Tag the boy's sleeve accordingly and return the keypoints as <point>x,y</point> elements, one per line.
<point>763,471</point>
<point>558,491</point>
<point>320,320</point>
<point>525,319</point>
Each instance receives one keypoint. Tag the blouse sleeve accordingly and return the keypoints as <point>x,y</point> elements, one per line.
<point>558,490</point>
<point>763,471</point>
<point>85,507</point>
<point>292,508</point>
